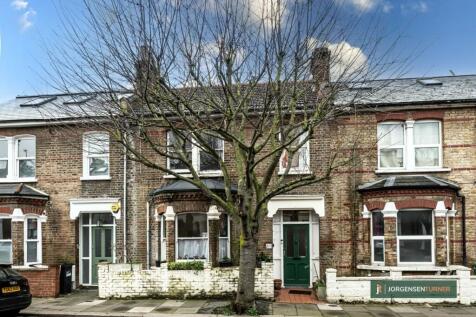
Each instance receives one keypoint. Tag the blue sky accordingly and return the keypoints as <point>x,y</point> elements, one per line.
<point>443,31</point>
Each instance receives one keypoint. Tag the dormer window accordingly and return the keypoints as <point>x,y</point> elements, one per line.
<point>410,145</point>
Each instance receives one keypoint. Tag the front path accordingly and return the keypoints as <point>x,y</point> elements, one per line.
<point>86,303</point>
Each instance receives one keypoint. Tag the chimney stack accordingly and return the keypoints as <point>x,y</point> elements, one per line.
<point>146,69</point>
<point>320,65</point>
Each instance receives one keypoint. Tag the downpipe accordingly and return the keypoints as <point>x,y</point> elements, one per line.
<point>124,209</point>
<point>147,215</point>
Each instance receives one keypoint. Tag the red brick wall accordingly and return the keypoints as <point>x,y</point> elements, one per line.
<point>43,282</point>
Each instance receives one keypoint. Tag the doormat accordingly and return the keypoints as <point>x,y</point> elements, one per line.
<point>300,292</point>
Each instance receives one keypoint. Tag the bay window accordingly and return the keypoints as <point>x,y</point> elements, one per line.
<point>5,241</point>
<point>96,156</point>
<point>32,241</point>
<point>192,236</point>
<point>378,240</point>
<point>415,236</point>
<point>410,145</point>
<point>224,239</point>
<point>298,162</point>
<point>198,156</point>
<point>163,239</point>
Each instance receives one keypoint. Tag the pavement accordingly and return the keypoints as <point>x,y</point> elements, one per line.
<point>86,303</point>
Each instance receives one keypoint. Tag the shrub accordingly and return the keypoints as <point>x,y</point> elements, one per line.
<point>186,265</point>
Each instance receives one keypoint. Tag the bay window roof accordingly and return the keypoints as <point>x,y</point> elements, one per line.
<point>21,190</point>
<point>408,182</point>
<point>180,186</point>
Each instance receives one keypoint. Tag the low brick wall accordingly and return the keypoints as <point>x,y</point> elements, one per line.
<point>358,289</point>
<point>44,282</point>
<point>130,280</point>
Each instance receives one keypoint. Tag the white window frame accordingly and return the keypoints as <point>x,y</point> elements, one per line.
<point>409,148</point>
<point>373,238</point>
<point>304,166</point>
<point>439,145</point>
<point>163,240</point>
<point>420,237</point>
<point>227,238</point>
<point>38,240</point>
<point>86,155</point>
<point>177,238</point>
<point>9,240</point>
<point>196,159</point>
<point>14,159</point>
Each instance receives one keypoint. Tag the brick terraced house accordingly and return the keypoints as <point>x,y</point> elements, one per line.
<point>408,202</point>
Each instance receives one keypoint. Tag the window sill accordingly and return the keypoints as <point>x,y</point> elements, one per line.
<point>37,267</point>
<point>407,268</point>
<point>19,180</point>
<point>296,172</point>
<point>188,175</point>
<point>97,178</point>
<point>420,170</point>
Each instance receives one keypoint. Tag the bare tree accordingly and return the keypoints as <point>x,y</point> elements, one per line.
<point>254,73</point>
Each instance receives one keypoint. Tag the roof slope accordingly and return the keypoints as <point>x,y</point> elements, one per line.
<point>408,182</point>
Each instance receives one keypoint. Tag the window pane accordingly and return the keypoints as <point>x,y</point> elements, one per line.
<point>377,223</point>
<point>26,168</point>
<point>302,243</point>
<point>378,250</point>
<point>3,168</point>
<point>391,158</point>
<point>428,156</point>
<point>192,225</point>
<point>5,252</point>
<point>390,134</point>
<point>3,149</point>
<point>102,219</point>
<point>415,223</point>
<point>32,229</point>
<point>415,250</point>
<point>426,133</point>
<point>5,229</point>
<point>98,166</point>
<point>223,248</point>
<point>207,161</point>
<point>85,218</point>
<point>98,144</point>
<point>32,252</point>
<point>85,269</point>
<point>190,249</point>
<point>293,215</point>
<point>85,242</point>
<point>26,147</point>
<point>108,243</point>
<point>224,226</point>
<point>187,149</point>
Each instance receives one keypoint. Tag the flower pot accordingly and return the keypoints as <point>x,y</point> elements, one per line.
<point>321,292</point>
<point>277,284</point>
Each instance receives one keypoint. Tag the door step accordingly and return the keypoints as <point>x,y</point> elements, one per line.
<point>300,292</point>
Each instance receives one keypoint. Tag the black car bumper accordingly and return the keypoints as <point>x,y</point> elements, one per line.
<point>15,302</point>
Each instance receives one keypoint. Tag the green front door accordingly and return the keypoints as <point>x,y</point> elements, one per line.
<point>296,255</point>
<point>101,249</point>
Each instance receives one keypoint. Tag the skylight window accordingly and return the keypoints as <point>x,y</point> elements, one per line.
<point>430,82</point>
<point>77,100</point>
<point>359,86</point>
<point>37,101</point>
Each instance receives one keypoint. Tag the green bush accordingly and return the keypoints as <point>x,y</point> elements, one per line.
<point>186,265</point>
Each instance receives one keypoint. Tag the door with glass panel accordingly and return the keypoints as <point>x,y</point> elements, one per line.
<point>296,255</point>
<point>97,243</point>
<point>101,249</point>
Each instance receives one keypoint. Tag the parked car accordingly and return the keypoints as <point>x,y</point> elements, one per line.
<point>14,292</point>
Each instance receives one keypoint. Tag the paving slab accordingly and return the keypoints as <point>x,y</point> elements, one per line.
<point>141,309</point>
<point>194,303</point>
<point>359,314</point>
<point>403,309</point>
<point>172,303</point>
<point>187,310</point>
<point>329,307</point>
<point>354,308</point>
<point>284,309</point>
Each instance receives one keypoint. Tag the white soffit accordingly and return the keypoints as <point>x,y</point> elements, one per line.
<point>92,205</point>
<point>297,202</point>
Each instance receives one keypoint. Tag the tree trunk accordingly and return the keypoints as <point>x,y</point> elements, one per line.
<point>245,297</point>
